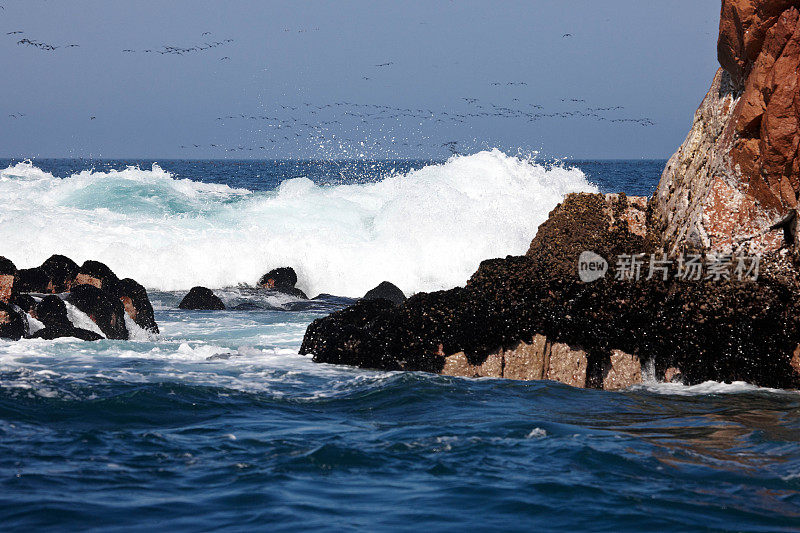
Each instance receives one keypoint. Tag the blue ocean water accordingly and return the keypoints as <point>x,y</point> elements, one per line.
<point>218,423</point>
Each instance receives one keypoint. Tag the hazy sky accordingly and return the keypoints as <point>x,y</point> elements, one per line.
<point>655,58</point>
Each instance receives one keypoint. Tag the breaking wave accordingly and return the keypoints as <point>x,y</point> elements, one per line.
<point>424,230</point>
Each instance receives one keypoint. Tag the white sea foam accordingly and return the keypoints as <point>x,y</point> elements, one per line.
<point>425,230</point>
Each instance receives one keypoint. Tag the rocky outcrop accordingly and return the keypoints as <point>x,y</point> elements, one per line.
<point>282,280</point>
<point>103,308</point>
<point>738,172</point>
<point>52,312</point>
<point>93,288</point>
<point>201,299</point>
<point>387,291</point>
<point>531,317</point>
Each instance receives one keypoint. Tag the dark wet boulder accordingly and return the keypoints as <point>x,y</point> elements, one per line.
<point>58,333</point>
<point>99,275</point>
<point>8,273</point>
<point>26,302</point>
<point>105,310</point>
<point>282,280</point>
<point>13,324</point>
<point>386,291</point>
<point>52,312</point>
<point>61,272</point>
<point>32,280</point>
<point>137,304</point>
<point>201,298</point>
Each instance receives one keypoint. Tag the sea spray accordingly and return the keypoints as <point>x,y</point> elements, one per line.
<point>424,230</point>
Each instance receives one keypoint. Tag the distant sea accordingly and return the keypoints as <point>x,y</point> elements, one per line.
<point>218,423</point>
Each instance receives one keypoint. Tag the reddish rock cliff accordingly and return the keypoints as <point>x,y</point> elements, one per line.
<point>738,170</point>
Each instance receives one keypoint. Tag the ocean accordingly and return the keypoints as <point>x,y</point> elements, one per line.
<point>218,423</point>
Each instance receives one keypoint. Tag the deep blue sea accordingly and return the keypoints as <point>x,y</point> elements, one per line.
<point>218,423</point>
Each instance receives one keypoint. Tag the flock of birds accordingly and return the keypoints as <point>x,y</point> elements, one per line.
<point>360,126</point>
<point>331,125</point>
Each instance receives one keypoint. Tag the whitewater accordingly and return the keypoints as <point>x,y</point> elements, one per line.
<point>426,229</point>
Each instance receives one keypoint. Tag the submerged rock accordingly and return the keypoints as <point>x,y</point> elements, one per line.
<point>282,280</point>
<point>387,291</point>
<point>201,298</point>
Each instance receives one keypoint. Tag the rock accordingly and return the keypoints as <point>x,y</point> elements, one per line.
<point>282,280</point>
<point>26,302</point>
<point>739,169</point>
<point>201,298</point>
<point>32,280</point>
<point>8,274</point>
<point>98,275</point>
<point>105,310</point>
<point>137,304</point>
<point>568,365</point>
<point>575,332</point>
<point>387,291</point>
<point>13,324</point>
<point>622,371</point>
<point>61,272</point>
<point>55,275</point>
<point>52,312</point>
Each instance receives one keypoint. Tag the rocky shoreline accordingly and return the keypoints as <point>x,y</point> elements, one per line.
<point>37,302</point>
<point>727,197</point>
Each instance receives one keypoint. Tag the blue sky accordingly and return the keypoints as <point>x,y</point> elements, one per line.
<point>475,73</point>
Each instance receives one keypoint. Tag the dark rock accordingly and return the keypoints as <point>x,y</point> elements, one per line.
<point>387,291</point>
<point>32,280</point>
<point>99,275</point>
<point>26,302</point>
<point>201,298</point>
<point>137,304</point>
<point>282,280</point>
<point>71,331</point>
<point>61,271</point>
<point>13,324</point>
<point>105,310</point>
<point>52,312</point>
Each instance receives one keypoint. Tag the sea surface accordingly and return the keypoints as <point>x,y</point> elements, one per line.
<point>218,423</point>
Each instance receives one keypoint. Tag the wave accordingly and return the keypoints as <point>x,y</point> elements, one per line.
<point>424,230</point>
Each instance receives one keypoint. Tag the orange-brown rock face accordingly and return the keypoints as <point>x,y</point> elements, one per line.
<point>739,168</point>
